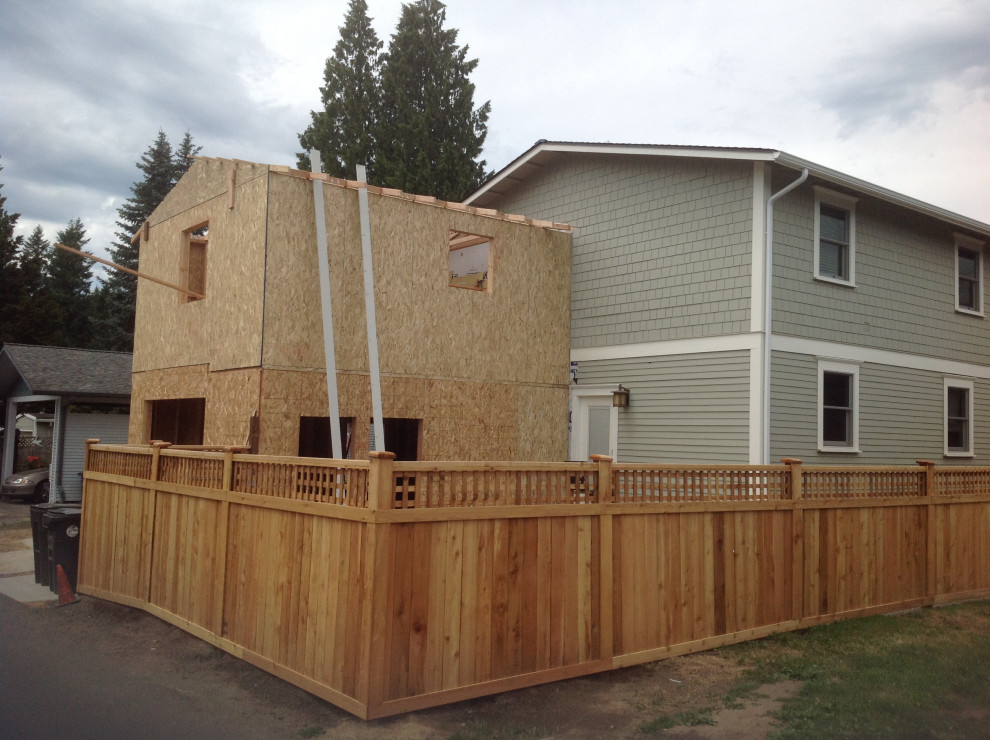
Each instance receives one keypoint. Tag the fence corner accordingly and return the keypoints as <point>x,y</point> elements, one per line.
<point>381,481</point>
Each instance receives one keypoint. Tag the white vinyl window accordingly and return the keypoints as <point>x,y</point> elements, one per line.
<point>838,407</point>
<point>835,237</point>
<point>958,418</point>
<point>969,275</point>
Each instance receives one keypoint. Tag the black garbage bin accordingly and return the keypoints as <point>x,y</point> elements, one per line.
<point>39,536</point>
<point>62,525</point>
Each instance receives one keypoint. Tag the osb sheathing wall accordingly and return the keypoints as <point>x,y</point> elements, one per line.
<point>516,332</point>
<point>486,372</point>
<point>224,329</point>
<point>231,398</point>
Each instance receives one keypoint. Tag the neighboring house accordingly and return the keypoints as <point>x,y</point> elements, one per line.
<point>472,321</point>
<point>85,392</point>
<point>38,426</point>
<point>879,344</point>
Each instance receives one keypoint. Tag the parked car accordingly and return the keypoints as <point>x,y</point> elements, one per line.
<point>32,484</point>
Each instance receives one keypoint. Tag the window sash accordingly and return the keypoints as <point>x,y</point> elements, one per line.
<point>957,421</point>
<point>968,266</point>
<point>837,409</point>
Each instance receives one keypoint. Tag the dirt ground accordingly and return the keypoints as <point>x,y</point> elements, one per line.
<point>614,704</point>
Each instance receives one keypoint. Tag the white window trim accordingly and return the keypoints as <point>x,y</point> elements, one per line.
<point>968,385</point>
<point>846,203</point>
<point>967,242</point>
<point>829,366</point>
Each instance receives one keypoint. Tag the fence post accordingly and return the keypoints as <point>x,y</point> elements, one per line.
<point>604,478</point>
<point>376,582</point>
<point>220,562</point>
<point>148,517</point>
<point>381,481</point>
<point>796,474</point>
<point>931,560</point>
<point>606,495</point>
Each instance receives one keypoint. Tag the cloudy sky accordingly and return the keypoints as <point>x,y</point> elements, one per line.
<point>893,92</point>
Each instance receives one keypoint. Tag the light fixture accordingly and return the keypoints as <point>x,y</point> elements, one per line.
<point>620,397</point>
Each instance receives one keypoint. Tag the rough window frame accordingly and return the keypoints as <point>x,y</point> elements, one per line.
<point>840,201</point>
<point>457,242</point>
<point>193,261</point>
<point>852,371</point>
<point>974,246</point>
<point>968,386</point>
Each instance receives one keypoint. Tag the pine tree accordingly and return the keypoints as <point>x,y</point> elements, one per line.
<point>344,130</point>
<point>68,281</point>
<point>37,314</point>
<point>11,284</point>
<point>117,295</point>
<point>430,135</point>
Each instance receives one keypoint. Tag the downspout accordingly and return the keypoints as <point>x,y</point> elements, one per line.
<point>767,310</point>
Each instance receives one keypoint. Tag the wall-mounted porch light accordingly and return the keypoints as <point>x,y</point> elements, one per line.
<point>620,397</point>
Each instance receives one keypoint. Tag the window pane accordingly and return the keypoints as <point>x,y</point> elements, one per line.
<point>836,390</point>
<point>831,260</point>
<point>956,437</point>
<point>958,403</point>
<point>967,263</point>
<point>967,293</point>
<point>836,427</point>
<point>833,224</point>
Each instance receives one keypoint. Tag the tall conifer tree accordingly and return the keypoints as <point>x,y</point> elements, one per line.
<point>68,282</point>
<point>11,285</point>
<point>37,314</point>
<point>117,297</point>
<point>343,131</point>
<point>430,135</point>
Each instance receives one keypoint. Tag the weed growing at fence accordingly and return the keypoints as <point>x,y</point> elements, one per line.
<point>921,674</point>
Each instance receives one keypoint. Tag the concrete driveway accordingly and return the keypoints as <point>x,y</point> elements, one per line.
<point>17,555</point>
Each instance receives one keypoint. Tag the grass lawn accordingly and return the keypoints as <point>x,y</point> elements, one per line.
<point>920,674</point>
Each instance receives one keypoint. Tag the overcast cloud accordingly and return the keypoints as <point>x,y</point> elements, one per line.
<point>896,93</point>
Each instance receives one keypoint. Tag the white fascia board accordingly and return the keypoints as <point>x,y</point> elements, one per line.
<point>853,353</point>
<point>728,343</point>
<point>867,188</point>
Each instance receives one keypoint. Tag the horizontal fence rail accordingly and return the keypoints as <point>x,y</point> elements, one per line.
<point>386,587</point>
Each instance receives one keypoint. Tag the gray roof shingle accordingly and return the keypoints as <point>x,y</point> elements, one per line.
<point>62,371</point>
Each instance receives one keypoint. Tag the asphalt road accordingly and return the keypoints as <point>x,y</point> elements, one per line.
<point>54,686</point>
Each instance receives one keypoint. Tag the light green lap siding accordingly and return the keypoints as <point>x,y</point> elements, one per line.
<point>900,415</point>
<point>904,298</point>
<point>662,247</point>
<point>686,408</point>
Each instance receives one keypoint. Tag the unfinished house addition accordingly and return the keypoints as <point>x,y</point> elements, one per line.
<point>474,373</point>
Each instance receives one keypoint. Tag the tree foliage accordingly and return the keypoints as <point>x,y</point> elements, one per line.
<point>69,277</point>
<point>409,113</point>
<point>431,135</point>
<point>10,278</point>
<point>117,298</point>
<point>343,131</point>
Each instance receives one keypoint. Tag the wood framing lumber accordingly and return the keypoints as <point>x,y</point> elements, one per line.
<point>128,270</point>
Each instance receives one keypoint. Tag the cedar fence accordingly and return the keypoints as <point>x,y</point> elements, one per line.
<point>388,587</point>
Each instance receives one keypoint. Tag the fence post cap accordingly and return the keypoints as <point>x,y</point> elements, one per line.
<point>925,462</point>
<point>601,458</point>
<point>790,460</point>
<point>381,455</point>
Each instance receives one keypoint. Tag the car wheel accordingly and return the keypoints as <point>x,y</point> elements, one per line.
<point>41,492</point>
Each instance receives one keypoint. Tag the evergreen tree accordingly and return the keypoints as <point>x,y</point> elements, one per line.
<point>11,284</point>
<point>68,281</point>
<point>430,135</point>
<point>37,314</point>
<point>117,295</point>
<point>343,131</point>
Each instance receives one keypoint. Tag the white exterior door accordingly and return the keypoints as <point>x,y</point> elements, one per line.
<point>594,424</point>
